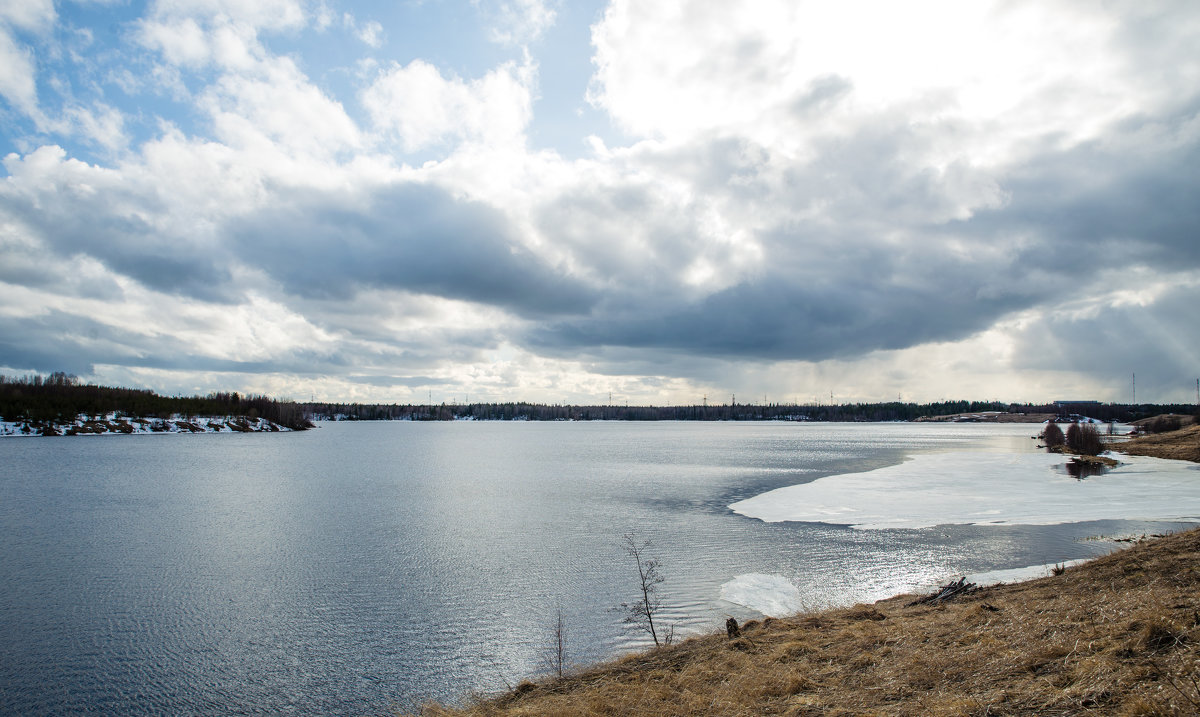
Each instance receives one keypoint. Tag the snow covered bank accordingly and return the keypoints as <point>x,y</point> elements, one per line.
<point>111,424</point>
<point>986,488</point>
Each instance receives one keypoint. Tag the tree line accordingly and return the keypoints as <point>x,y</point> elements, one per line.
<point>61,396</point>
<point>866,412</point>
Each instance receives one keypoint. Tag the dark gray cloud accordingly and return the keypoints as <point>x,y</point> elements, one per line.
<point>775,318</point>
<point>408,237</point>
<point>899,254</point>
<point>1156,339</point>
<point>60,341</point>
<point>111,224</point>
<point>1099,205</point>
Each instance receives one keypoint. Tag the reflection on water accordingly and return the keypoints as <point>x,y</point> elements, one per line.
<point>362,567</point>
<point>1080,470</point>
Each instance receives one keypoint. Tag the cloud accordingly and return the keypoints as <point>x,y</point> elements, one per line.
<point>17,74</point>
<point>18,70</point>
<point>265,14</point>
<point>30,15</point>
<point>1140,323</point>
<point>519,22</point>
<point>74,209</point>
<point>408,237</point>
<point>257,111</point>
<point>421,108</point>
<point>370,32</point>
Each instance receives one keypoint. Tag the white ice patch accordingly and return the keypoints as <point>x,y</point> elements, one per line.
<point>772,595</point>
<point>986,488</point>
<point>1016,575</point>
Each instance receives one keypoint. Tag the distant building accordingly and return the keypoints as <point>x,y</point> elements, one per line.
<point>1060,404</point>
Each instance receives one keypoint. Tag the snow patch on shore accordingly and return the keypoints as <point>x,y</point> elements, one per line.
<point>114,424</point>
<point>772,595</point>
<point>991,488</point>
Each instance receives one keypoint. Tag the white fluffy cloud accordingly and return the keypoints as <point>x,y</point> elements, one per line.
<point>985,78</point>
<point>519,22</point>
<point>33,15</point>
<point>17,82</point>
<point>17,66</point>
<point>422,108</point>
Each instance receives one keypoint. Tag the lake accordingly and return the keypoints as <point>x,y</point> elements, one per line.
<point>362,567</point>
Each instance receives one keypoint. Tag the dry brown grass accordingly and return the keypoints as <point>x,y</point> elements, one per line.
<point>1183,445</point>
<point>1119,635</point>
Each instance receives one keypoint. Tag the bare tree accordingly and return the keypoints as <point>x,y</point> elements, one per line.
<point>556,652</point>
<point>641,612</point>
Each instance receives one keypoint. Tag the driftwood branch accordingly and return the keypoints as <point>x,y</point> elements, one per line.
<point>949,591</point>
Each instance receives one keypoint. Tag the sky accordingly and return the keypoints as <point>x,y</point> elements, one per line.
<point>581,202</point>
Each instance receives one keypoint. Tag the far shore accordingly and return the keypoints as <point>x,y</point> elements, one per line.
<point>114,425</point>
<point>1180,445</point>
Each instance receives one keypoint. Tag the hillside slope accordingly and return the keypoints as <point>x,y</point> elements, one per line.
<point>1118,635</point>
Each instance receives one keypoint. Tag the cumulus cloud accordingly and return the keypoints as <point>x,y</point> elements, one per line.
<point>259,110</point>
<point>17,82</point>
<point>32,15</point>
<point>408,237</point>
<point>422,108</point>
<point>17,66</point>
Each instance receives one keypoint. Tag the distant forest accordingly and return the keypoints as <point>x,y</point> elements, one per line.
<point>895,411</point>
<point>61,396</point>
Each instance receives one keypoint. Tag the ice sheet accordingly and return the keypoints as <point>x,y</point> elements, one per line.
<point>1016,575</point>
<point>981,488</point>
<point>772,595</point>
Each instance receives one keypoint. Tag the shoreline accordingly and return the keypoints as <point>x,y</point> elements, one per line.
<point>1116,634</point>
<point>1018,488</point>
<point>114,425</point>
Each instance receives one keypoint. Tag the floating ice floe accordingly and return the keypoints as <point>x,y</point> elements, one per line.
<point>986,488</point>
<point>772,595</point>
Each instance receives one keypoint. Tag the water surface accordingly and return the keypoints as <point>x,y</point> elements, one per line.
<point>364,566</point>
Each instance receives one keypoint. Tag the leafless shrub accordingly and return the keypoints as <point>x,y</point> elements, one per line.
<point>1053,435</point>
<point>1084,440</point>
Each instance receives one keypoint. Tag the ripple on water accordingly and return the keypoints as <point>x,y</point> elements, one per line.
<point>358,567</point>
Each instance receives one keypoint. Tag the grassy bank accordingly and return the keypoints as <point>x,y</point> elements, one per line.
<point>1183,445</point>
<point>1117,635</point>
